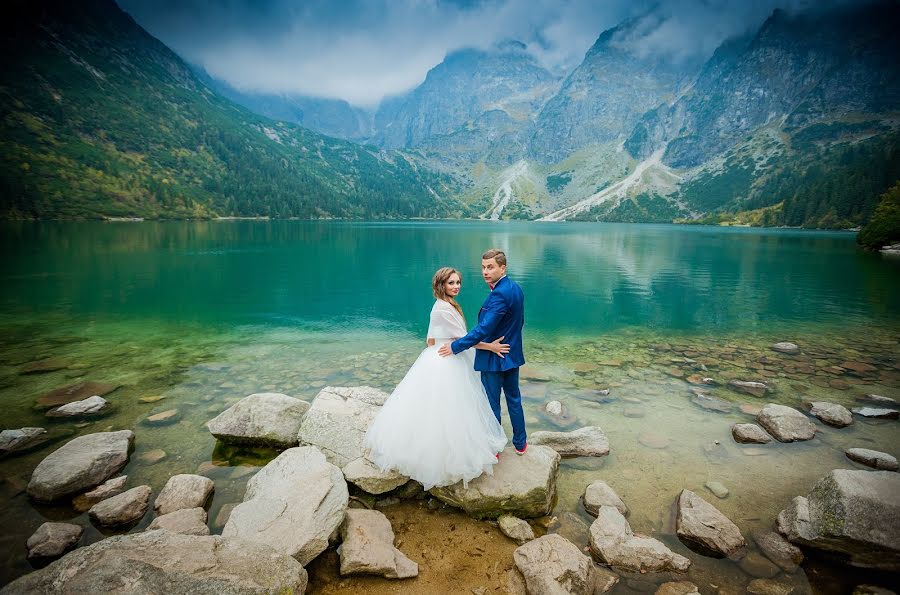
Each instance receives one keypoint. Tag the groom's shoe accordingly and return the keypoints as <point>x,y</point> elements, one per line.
<point>521,452</point>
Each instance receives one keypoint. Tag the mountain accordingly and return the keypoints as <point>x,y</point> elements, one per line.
<point>101,119</point>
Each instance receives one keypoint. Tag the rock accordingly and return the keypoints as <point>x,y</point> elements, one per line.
<point>183,491</point>
<point>224,513</point>
<point>634,412</point>
<point>876,412</point>
<point>858,368</point>
<point>522,486</point>
<point>337,421</point>
<point>712,403</point>
<point>757,565</point>
<point>152,399</point>
<point>879,400</point>
<point>110,488</point>
<point>872,458</point>
<point>614,543</point>
<point>552,565</point>
<point>854,513</point>
<point>572,527</point>
<point>266,419</point>
<point>152,457</point>
<point>122,509</point>
<point>785,347</point>
<point>44,366</point>
<point>598,494</point>
<point>717,488</point>
<point>786,424</point>
<point>749,434</point>
<point>750,409</point>
<point>165,562</point>
<point>20,440</point>
<point>91,406</point>
<point>757,389</point>
<point>652,439</point>
<point>831,413</point>
<point>81,463</point>
<point>74,392</point>
<point>589,441</point>
<point>295,522</point>
<point>778,550</point>
<point>872,590</point>
<point>52,540</point>
<point>515,528</point>
<point>554,408</point>
<point>765,586</point>
<point>366,475</point>
<point>187,521</point>
<point>368,547</point>
<point>701,526</point>
<point>163,418</point>
<point>679,588</point>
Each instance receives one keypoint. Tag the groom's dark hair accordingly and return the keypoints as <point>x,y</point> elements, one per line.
<point>497,255</point>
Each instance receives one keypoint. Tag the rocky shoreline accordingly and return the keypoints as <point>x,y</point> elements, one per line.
<point>321,493</point>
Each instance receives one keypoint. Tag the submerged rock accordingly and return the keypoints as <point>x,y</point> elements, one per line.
<point>710,403</point>
<point>749,434</point>
<point>757,389</point>
<point>872,458</point>
<point>678,588</point>
<point>614,543</point>
<point>163,418</point>
<point>74,392</point>
<point>700,525</point>
<point>293,521</point>
<point>368,547</point>
<point>589,441</point>
<point>786,424</point>
<point>266,419</point>
<point>717,488</point>
<point>879,400</point>
<point>187,521</point>
<point>183,491</point>
<point>337,421</point>
<point>81,463</point>
<point>876,412</point>
<point>778,550</point>
<point>852,513</point>
<point>122,509</point>
<point>831,413</point>
<point>572,527</point>
<point>598,494</point>
<point>52,540</point>
<point>786,347</point>
<point>161,561</point>
<point>523,486</point>
<point>515,528</point>
<point>551,564</point>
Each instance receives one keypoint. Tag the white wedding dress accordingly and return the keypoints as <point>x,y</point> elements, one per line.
<point>437,426</point>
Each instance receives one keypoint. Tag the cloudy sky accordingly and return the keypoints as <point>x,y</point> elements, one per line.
<point>364,50</point>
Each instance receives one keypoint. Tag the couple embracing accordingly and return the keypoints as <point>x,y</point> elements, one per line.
<point>441,424</point>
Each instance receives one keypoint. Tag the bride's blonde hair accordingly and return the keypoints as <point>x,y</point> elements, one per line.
<point>437,287</point>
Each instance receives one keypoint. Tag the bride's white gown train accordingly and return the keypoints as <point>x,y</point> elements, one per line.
<point>437,426</point>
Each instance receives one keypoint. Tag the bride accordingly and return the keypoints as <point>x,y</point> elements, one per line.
<point>437,426</point>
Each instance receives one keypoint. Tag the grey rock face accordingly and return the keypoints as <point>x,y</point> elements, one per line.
<point>589,441</point>
<point>81,463</point>
<point>364,474</point>
<point>183,491</point>
<point>832,414</point>
<point>854,513</point>
<point>270,419</point>
<point>701,525</point>
<point>108,489</point>
<point>614,543</point>
<point>91,406</point>
<point>778,550</point>
<point>522,486</point>
<point>515,528</point>
<point>552,565</point>
<point>598,494</point>
<point>749,434</point>
<point>187,521</point>
<point>337,421</point>
<point>53,539</point>
<point>276,513</point>
<point>127,507</point>
<point>872,458</point>
<point>19,440</point>
<point>368,547</point>
<point>786,424</point>
<point>164,562</point>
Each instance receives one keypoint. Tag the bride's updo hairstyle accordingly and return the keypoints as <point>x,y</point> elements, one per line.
<point>437,287</point>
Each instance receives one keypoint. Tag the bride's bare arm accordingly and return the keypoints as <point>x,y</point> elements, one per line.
<point>496,346</point>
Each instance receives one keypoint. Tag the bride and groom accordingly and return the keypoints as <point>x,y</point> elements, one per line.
<point>441,424</point>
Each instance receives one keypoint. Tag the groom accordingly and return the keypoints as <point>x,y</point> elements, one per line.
<point>501,315</point>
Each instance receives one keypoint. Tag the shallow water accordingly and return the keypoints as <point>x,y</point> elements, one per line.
<point>205,314</point>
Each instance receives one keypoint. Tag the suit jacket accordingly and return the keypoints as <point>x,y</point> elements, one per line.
<point>501,315</point>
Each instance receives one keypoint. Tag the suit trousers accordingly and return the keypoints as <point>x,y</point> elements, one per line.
<point>507,380</point>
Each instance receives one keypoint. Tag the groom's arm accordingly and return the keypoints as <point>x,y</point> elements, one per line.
<point>494,311</point>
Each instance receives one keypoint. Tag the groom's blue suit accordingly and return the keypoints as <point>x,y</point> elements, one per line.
<point>501,315</point>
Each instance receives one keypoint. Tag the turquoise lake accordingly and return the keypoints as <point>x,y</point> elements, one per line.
<point>205,313</point>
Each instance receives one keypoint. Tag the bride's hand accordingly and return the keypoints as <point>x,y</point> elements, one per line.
<point>499,348</point>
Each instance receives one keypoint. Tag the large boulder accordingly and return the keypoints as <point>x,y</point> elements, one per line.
<point>181,491</point>
<point>831,413</point>
<point>187,521</point>
<point>872,458</point>
<point>523,486</point>
<point>125,508</point>
<point>853,513</point>
<point>80,464</point>
<point>165,562</point>
<point>553,565</point>
<point>266,419</point>
<point>292,504</point>
<point>368,547</point>
<point>598,494</point>
<point>52,540</point>
<point>786,424</point>
<point>701,526</point>
<point>338,419</point>
<point>366,475</point>
<point>589,441</point>
<point>614,543</point>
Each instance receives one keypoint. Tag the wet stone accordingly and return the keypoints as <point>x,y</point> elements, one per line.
<point>757,565</point>
<point>151,457</point>
<point>163,418</point>
<point>712,403</point>
<point>876,412</point>
<point>872,458</point>
<point>749,434</point>
<point>786,347</point>
<point>831,413</point>
<point>74,392</point>
<point>717,488</point>
<point>879,400</point>
<point>44,366</point>
<point>654,440</point>
<point>757,389</point>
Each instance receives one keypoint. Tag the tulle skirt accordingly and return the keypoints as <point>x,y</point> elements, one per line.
<point>437,426</point>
